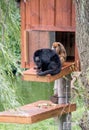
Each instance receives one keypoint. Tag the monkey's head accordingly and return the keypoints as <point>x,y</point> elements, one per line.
<point>37,61</point>
<point>57,46</point>
<point>60,50</point>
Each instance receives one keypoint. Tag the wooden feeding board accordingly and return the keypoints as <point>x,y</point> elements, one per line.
<point>30,74</point>
<point>35,112</point>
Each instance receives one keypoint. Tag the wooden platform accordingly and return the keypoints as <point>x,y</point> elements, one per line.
<point>35,112</point>
<point>30,75</point>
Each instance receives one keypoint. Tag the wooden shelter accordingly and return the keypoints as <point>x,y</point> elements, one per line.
<point>43,22</point>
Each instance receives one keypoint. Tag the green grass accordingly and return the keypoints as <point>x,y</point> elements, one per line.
<point>28,92</point>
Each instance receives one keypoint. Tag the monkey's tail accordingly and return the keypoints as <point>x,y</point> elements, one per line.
<point>43,73</point>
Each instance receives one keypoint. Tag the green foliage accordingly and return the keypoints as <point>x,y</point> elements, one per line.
<point>7,94</point>
<point>9,52</point>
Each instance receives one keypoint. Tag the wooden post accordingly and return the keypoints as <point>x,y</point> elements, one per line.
<point>62,88</point>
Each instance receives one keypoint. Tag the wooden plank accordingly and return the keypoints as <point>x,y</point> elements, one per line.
<point>23,27</point>
<point>58,13</point>
<point>68,13</point>
<point>35,12</point>
<point>46,12</point>
<point>32,13</point>
<point>63,13</point>
<point>26,47</point>
<point>28,20</point>
<point>50,15</point>
<point>34,40</point>
<point>36,112</point>
<point>30,75</point>
<point>51,28</point>
<point>37,40</point>
<point>73,15</point>
<point>49,12</point>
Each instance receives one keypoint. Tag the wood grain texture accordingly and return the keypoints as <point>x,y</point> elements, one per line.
<point>73,15</point>
<point>46,12</point>
<point>63,13</point>
<point>32,13</point>
<point>30,75</point>
<point>23,27</point>
<point>37,40</point>
<point>51,28</point>
<point>53,13</point>
<point>32,113</point>
<point>26,47</point>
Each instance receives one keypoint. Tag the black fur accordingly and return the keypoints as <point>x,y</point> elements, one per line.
<point>47,62</point>
<point>18,1</point>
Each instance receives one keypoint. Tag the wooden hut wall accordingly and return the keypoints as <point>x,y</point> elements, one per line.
<point>48,14</point>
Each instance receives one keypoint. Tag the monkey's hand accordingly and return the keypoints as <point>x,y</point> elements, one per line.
<point>38,70</point>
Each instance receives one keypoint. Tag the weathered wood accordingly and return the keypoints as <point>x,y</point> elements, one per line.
<point>33,12</point>
<point>37,40</point>
<point>26,46</point>
<point>53,13</point>
<point>63,13</point>
<point>47,12</point>
<point>35,112</point>
<point>51,28</point>
<point>23,26</point>
<point>27,14</point>
<point>73,15</point>
<point>69,12</point>
<point>30,75</point>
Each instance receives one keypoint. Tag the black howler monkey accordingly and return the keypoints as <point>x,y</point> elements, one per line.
<point>47,62</point>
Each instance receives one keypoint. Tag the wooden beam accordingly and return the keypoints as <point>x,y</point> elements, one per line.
<point>35,112</point>
<point>51,28</point>
<point>23,27</point>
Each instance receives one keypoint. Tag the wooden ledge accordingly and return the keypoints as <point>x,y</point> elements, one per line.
<point>35,112</point>
<point>30,75</point>
<point>51,28</point>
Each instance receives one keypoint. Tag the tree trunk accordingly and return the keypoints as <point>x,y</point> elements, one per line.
<point>82,40</point>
